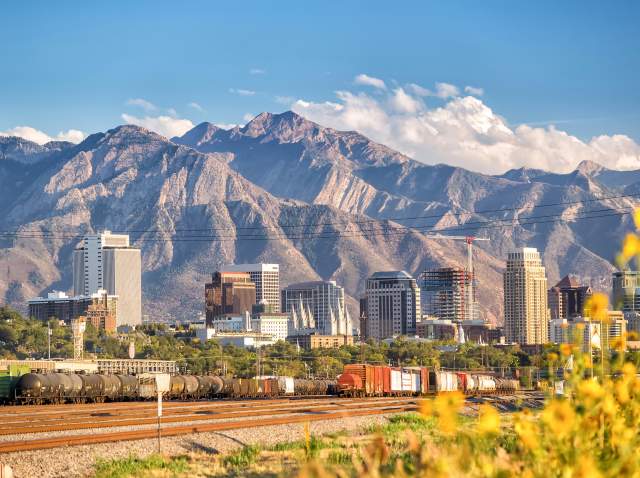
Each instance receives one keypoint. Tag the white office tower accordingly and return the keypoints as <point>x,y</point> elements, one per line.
<point>526,317</point>
<point>393,304</point>
<point>107,261</point>
<point>266,277</point>
<point>320,302</point>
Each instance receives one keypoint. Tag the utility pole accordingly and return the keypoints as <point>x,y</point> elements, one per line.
<point>49,340</point>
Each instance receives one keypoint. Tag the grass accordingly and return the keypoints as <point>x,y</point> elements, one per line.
<point>400,423</point>
<point>140,467</point>
<point>242,458</point>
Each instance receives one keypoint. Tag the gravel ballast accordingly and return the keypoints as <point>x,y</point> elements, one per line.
<point>79,461</point>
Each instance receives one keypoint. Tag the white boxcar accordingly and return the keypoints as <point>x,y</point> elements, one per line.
<point>415,380</point>
<point>396,380</point>
<point>446,382</point>
<point>286,385</point>
<point>406,381</point>
<point>485,383</point>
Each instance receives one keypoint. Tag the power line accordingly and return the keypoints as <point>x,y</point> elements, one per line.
<point>386,231</point>
<point>368,221</point>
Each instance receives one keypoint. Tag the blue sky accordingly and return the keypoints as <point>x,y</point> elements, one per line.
<point>76,64</point>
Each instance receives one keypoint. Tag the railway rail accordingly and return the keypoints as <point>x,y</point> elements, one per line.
<point>289,415</point>
<point>117,417</point>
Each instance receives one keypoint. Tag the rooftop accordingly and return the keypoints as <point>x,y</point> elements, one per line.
<point>390,275</point>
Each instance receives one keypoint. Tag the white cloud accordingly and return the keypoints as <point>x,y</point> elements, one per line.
<point>40,137</point>
<point>165,125</point>
<point>241,92</point>
<point>195,106</point>
<point>464,131</point>
<point>248,117</point>
<point>442,90</point>
<point>284,100</point>
<point>257,71</point>
<point>472,90</point>
<point>446,90</point>
<point>142,103</point>
<point>367,80</point>
<point>172,111</point>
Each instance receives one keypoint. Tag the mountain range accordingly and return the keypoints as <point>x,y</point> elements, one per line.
<point>324,204</point>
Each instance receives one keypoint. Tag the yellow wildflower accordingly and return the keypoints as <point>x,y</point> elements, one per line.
<point>425,407</point>
<point>636,217</point>
<point>488,420</point>
<point>622,392</point>
<point>446,407</point>
<point>632,335</point>
<point>565,349</point>
<point>596,307</point>
<point>586,468</point>
<point>630,246</point>
<point>619,344</point>
<point>526,431</point>
<point>629,370</point>
<point>590,389</point>
<point>559,416</point>
<point>552,357</point>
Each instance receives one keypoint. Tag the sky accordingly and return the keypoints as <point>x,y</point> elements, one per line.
<point>488,85</point>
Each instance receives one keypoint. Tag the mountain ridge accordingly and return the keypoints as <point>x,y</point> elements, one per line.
<point>278,170</point>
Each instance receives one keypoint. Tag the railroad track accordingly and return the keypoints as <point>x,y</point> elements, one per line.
<point>317,413</point>
<point>108,419</point>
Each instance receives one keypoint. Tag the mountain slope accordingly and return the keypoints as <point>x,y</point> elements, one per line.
<point>322,203</point>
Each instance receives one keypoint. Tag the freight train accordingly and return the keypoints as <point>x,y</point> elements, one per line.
<point>357,380</point>
<point>43,388</point>
<point>360,380</point>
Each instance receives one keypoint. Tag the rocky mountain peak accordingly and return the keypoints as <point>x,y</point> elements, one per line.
<point>588,168</point>
<point>202,133</point>
<point>286,127</point>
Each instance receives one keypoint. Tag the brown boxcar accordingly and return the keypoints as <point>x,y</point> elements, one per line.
<point>366,374</point>
<point>424,380</point>
<point>378,380</point>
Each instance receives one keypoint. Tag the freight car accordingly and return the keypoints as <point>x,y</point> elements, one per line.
<point>360,380</point>
<point>39,388</point>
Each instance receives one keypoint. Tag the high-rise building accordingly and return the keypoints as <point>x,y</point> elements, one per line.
<point>393,304</point>
<point>567,298</point>
<point>626,291</point>
<point>444,293</point>
<point>107,261</point>
<point>526,315</point>
<point>323,302</point>
<point>266,277</point>
<point>229,293</point>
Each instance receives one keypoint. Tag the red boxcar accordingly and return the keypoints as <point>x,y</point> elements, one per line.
<point>386,380</point>
<point>366,374</point>
<point>378,380</point>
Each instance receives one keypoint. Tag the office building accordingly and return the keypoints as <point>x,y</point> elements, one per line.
<point>102,312</point>
<point>525,298</point>
<point>229,293</point>
<point>437,329</point>
<point>444,293</point>
<point>318,302</point>
<point>100,309</point>
<point>626,291</point>
<point>59,306</point>
<point>567,298</point>
<point>266,277</point>
<point>276,325</point>
<point>317,341</point>
<point>393,304</point>
<point>107,261</point>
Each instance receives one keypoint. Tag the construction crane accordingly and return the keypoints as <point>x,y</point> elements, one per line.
<point>469,240</point>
